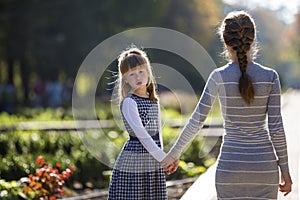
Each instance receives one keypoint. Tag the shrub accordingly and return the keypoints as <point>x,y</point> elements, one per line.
<point>18,148</point>
<point>47,182</point>
<point>10,190</point>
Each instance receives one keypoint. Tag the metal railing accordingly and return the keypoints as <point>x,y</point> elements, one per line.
<point>85,125</point>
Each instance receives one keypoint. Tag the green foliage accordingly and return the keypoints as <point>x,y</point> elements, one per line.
<point>190,169</point>
<point>63,147</point>
<point>187,169</point>
<point>170,114</point>
<point>19,148</point>
<point>10,190</point>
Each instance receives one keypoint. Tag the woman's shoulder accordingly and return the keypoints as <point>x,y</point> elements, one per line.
<point>256,67</point>
<point>262,73</point>
<point>228,67</point>
<point>262,69</point>
<point>224,69</point>
<point>231,71</point>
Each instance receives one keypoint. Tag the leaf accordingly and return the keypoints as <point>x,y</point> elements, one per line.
<point>32,184</point>
<point>37,186</point>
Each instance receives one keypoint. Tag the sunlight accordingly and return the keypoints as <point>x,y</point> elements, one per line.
<point>286,10</point>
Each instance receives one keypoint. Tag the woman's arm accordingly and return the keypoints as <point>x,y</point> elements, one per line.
<point>197,119</point>
<point>275,124</point>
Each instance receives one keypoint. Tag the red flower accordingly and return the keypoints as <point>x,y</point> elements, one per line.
<point>31,177</point>
<point>47,182</point>
<point>53,197</point>
<point>58,165</point>
<point>40,161</point>
<point>72,168</point>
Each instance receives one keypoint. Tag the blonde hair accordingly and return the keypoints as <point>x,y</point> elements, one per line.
<point>238,32</point>
<point>129,59</point>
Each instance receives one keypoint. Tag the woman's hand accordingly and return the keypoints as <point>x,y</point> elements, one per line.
<point>172,167</point>
<point>170,164</point>
<point>286,183</point>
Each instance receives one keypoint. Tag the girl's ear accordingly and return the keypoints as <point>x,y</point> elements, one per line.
<point>124,80</point>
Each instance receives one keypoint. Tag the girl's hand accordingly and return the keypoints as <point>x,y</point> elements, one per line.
<point>286,183</point>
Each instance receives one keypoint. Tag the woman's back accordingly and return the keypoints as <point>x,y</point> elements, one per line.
<point>246,122</point>
<point>247,156</point>
<point>254,143</point>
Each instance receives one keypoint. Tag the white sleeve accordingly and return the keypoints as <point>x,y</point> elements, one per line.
<point>131,114</point>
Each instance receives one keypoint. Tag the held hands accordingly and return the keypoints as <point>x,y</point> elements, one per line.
<point>286,183</point>
<point>172,167</point>
<point>170,164</point>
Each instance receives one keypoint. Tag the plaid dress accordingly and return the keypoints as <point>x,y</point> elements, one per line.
<point>136,174</point>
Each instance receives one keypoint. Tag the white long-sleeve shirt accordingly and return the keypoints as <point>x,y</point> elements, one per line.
<point>143,121</point>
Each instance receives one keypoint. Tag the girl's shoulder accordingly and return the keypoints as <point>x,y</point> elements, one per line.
<point>129,99</point>
<point>133,98</point>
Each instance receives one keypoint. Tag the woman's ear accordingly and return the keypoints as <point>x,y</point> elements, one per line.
<point>230,49</point>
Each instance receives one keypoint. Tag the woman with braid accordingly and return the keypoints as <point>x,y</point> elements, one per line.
<point>254,151</point>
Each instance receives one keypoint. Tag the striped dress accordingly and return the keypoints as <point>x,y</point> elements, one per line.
<point>254,144</point>
<point>137,174</point>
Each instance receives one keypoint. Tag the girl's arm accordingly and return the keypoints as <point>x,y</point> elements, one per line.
<point>131,114</point>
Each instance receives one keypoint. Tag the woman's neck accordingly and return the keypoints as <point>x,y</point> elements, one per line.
<point>235,59</point>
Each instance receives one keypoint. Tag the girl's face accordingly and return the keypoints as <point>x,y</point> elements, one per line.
<point>137,78</point>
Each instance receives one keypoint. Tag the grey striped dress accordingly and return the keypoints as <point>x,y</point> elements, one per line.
<point>254,144</point>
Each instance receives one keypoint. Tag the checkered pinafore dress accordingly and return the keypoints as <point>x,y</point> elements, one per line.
<point>136,174</point>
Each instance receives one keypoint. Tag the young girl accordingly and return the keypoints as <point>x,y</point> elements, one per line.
<point>254,145</point>
<point>137,173</point>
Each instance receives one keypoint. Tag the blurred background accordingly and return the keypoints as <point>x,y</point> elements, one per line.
<point>43,43</point>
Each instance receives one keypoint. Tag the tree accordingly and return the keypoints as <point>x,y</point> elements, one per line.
<point>48,39</point>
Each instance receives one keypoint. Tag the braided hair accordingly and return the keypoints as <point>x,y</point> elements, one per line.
<point>238,32</point>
